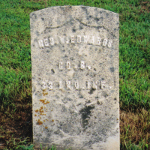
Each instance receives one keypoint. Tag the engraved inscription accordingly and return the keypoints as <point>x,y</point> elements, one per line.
<point>75,85</point>
<point>82,65</point>
<point>68,65</point>
<point>85,39</point>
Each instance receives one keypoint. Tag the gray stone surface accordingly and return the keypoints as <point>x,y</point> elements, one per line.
<point>75,78</point>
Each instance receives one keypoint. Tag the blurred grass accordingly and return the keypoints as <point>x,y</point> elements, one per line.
<point>134,55</point>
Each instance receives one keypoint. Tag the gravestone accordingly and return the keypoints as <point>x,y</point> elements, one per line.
<point>75,78</point>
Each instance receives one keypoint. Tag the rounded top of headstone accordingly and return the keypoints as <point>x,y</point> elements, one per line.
<point>85,15</point>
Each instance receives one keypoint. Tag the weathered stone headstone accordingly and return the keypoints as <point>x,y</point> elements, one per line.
<point>75,78</point>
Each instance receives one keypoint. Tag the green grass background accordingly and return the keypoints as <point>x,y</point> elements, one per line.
<point>134,46</point>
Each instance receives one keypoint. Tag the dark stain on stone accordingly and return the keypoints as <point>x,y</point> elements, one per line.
<point>35,40</point>
<point>97,19</point>
<point>37,33</point>
<point>58,132</point>
<point>52,70</point>
<point>73,30</point>
<point>66,100</point>
<point>84,8</point>
<point>72,58</point>
<point>112,69</point>
<point>96,97</point>
<point>115,98</point>
<point>104,94</point>
<point>111,56</point>
<point>33,16</point>
<point>104,132</point>
<point>92,90</point>
<point>97,28</point>
<point>69,99</point>
<point>71,22</point>
<point>80,96</point>
<point>88,101</point>
<point>47,30</point>
<point>98,102</point>
<point>85,113</point>
<point>81,27</point>
<point>64,109</point>
<point>90,142</point>
<point>114,81</point>
<point>68,142</point>
<point>112,91</point>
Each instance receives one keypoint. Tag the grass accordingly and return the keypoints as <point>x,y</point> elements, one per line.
<point>15,70</point>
